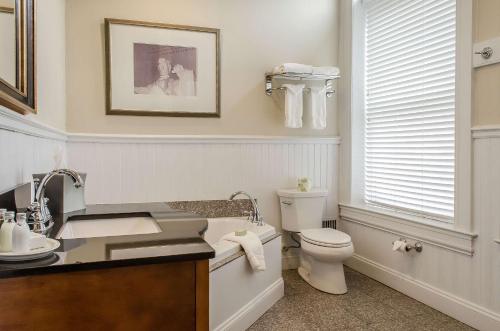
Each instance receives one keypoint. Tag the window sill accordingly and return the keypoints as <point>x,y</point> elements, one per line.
<point>431,232</point>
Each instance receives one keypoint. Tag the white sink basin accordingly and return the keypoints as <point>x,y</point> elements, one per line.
<point>108,227</point>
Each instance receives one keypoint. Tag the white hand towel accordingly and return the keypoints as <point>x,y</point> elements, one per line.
<point>253,248</point>
<point>293,105</point>
<point>318,107</point>
<point>293,68</point>
<point>329,71</point>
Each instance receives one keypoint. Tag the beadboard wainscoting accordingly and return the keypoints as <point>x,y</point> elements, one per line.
<point>465,286</point>
<point>27,147</point>
<point>123,169</point>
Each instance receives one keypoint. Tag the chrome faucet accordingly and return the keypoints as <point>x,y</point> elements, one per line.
<point>40,217</point>
<point>255,214</point>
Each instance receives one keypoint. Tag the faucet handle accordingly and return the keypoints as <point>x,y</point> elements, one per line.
<point>36,184</point>
<point>249,215</point>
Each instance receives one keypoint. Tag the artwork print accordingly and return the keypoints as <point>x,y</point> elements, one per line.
<point>165,70</point>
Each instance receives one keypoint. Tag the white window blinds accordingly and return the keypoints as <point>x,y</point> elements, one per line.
<point>410,105</point>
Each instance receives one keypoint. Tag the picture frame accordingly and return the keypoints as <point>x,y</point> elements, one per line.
<point>159,69</point>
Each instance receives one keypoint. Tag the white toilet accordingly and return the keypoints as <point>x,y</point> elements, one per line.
<point>322,249</point>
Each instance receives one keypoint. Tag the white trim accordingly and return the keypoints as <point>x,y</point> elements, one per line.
<point>463,115</point>
<point>344,100</point>
<point>486,131</point>
<point>196,139</point>
<point>410,227</point>
<point>251,312</point>
<point>11,121</point>
<point>458,308</point>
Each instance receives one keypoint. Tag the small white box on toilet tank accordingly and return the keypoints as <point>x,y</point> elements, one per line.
<point>302,210</point>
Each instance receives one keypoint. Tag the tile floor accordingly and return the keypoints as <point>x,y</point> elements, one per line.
<point>369,305</point>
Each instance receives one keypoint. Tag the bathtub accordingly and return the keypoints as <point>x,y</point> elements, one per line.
<point>218,227</point>
<point>238,295</point>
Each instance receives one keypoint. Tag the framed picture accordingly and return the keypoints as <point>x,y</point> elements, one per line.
<point>156,69</point>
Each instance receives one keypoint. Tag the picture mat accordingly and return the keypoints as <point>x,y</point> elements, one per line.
<point>122,39</point>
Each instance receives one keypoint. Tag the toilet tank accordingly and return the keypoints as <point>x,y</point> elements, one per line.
<point>301,210</point>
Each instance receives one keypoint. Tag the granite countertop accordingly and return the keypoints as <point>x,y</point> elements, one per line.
<point>179,240</point>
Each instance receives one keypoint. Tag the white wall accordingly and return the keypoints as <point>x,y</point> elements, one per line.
<point>121,170</point>
<point>466,287</point>
<point>26,148</point>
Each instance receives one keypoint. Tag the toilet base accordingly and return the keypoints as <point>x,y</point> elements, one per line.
<point>326,277</point>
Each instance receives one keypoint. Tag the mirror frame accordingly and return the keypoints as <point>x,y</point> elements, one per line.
<point>23,98</point>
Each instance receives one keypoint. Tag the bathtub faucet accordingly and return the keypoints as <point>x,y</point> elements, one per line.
<point>256,216</point>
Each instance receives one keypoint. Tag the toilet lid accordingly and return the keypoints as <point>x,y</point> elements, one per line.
<point>326,237</point>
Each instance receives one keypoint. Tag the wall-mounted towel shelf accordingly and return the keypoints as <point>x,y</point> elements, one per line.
<point>300,76</point>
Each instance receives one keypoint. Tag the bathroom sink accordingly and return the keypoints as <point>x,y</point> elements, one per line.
<point>108,227</point>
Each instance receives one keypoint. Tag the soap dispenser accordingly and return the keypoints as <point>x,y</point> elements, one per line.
<point>6,232</point>
<point>21,235</point>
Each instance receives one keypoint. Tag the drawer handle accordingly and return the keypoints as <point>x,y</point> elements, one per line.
<point>288,203</point>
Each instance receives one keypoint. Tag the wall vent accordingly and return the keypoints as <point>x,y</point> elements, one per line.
<point>332,224</point>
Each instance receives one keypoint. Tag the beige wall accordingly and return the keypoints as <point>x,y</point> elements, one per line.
<point>255,35</point>
<point>486,81</point>
<point>51,63</point>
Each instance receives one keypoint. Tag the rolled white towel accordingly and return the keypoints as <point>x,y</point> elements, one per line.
<point>293,68</point>
<point>318,107</point>
<point>328,71</point>
<point>253,248</point>
<point>294,105</point>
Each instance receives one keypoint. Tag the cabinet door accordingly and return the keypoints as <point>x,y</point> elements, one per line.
<point>148,297</point>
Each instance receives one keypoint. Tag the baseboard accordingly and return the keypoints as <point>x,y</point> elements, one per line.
<point>251,312</point>
<point>458,308</point>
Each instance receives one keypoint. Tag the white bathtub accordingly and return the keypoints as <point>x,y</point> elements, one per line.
<point>218,227</point>
<point>238,295</point>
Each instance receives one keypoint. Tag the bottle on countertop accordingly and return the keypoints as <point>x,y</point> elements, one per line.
<point>2,212</point>
<point>21,235</point>
<point>6,231</point>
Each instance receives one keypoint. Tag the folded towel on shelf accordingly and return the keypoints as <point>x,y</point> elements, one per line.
<point>253,248</point>
<point>328,71</point>
<point>293,68</point>
<point>318,107</point>
<point>293,105</point>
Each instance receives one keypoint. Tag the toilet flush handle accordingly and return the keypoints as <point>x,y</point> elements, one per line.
<point>288,203</point>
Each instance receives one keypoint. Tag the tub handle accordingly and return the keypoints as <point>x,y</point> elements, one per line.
<point>288,203</point>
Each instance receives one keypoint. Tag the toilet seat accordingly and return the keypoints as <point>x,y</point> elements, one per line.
<point>326,237</point>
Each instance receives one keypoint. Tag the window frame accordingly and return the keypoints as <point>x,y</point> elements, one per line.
<point>352,121</point>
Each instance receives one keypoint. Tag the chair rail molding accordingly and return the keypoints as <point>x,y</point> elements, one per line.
<point>197,139</point>
<point>14,122</point>
<point>486,131</point>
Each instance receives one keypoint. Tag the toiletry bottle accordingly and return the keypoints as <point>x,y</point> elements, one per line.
<point>2,212</point>
<point>6,232</point>
<point>21,235</point>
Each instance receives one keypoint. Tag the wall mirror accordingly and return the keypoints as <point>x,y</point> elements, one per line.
<point>17,55</point>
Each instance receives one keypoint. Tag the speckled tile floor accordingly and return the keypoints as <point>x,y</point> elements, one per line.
<point>368,305</point>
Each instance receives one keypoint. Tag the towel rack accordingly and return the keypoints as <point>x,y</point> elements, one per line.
<point>300,76</point>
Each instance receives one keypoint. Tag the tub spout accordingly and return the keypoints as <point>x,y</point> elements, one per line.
<point>256,215</point>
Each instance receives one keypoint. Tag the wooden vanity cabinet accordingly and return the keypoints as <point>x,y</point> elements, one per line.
<point>166,296</point>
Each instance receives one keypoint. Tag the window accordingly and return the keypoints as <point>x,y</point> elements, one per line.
<point>409,140</point>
